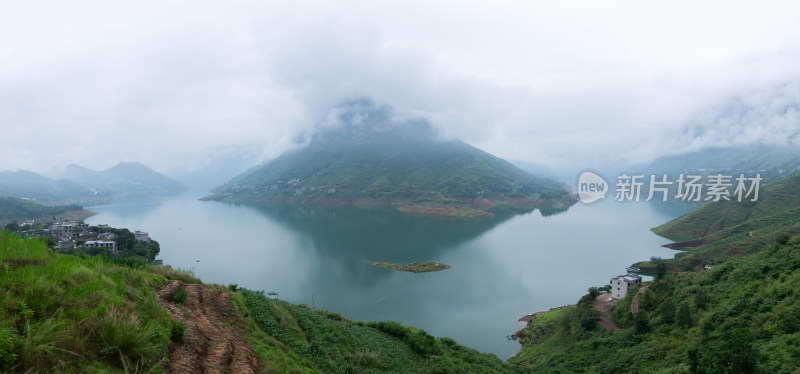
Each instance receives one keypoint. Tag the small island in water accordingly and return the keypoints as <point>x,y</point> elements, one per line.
<point>415,267</point>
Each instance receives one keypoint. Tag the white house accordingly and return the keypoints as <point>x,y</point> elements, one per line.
<point>141,236</point>
<point>112,245</point>
<point>621,283</point>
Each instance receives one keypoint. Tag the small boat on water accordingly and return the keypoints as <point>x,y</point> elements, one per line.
<point>632,269</point>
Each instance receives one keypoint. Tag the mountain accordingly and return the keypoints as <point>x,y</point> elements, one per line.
<point>739,314</point>
<point>365,154</point>
<point>770,161</point>
<point>78,185</point>
<point>27,184</point>
<point>125,179</point>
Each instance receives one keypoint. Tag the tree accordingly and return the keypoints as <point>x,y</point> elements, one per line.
<point>12,226</point>
<point>661,270</point>
<point>667,311</point>
<point>641,322</point>
<point>701,299</point>
<point>684,316</point>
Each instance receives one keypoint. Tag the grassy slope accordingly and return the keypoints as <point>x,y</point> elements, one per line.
<point>294,338</point>
<point>774,198</point>
<point>740,316</point>
<point>63,313</point>
<point>73,313</point>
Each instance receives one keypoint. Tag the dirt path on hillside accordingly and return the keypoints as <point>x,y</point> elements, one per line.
<point>603,304</point>
<point>635,301</point>
<point>212,344</point>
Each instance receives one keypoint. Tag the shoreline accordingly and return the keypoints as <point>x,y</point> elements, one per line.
<point>528,317</point>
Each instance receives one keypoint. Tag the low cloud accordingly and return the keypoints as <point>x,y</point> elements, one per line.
<point>177,84</point>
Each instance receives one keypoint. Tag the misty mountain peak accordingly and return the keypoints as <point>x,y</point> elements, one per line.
<point>363,121</point>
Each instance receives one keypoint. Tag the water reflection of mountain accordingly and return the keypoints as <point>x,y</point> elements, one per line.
<point>351,235</point>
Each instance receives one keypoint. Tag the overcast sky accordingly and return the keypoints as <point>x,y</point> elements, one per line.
<point>176,84</point>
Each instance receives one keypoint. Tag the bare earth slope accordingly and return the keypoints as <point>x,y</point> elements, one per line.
<point>212,344</point>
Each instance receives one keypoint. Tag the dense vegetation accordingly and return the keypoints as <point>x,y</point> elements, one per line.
<point>74,313</point>
<point>741,316</point>
<point>12,208</point>
<point>297,339</point>
<point>371,155</point>
<point>727,229</point>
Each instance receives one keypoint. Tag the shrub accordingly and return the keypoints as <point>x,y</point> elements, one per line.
<point>7,355</point>
<point>179,296</point>
<point>125,335</point>
<point>177,332</point>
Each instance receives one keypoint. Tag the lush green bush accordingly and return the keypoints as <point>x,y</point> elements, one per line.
<point>179,297</point>
<point>177,332</point>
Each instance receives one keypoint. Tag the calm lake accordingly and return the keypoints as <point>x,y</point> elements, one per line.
<point>502,268</point>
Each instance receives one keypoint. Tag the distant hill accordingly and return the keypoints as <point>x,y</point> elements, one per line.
<point>368,155</point>
<point>27,184</point>
<point>78,185</point>
<point>12,208</point>
<point>771,162</point>
<point>124,179</point>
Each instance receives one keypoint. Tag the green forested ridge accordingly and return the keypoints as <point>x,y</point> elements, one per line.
<point>725,229</point>
<point>377,157</point>
<point>12,208</point>
<point>740,316</point>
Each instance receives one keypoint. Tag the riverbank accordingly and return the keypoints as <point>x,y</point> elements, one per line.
<point>442,208</point>
<point>529,317</point>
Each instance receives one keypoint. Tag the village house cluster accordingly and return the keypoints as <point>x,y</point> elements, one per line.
<point>73,234</point>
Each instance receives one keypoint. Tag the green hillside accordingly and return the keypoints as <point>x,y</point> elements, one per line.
<point>724,229</point>
<point>75,313</point>
<point>740,316</point>
<point>12,208</point>
<point>370,157</point>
